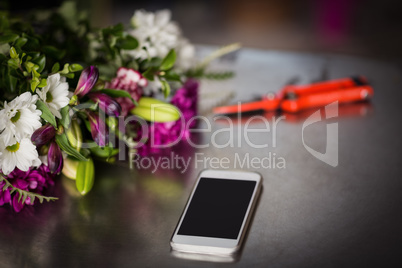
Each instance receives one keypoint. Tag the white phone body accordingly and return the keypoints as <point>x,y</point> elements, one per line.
<point>246,185</point>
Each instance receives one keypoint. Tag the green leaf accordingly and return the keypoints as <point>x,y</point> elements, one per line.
<point>115,93</point>
<point>56,67</point>
<point>11,82</point>
<point>116,30</point>
<point>34,83</point>
<point>2,57</point>
<point>33,55</point>
<point>46,113</point>
<point>42,83</point>
<point>53,52</point>
<point>69,75</point>
<point>13,53</point>
<point>172,76</point>
<point>62,141</point>
<point>13,63</point>
<point>32,44</point>
<point>104,152</point>
<point>22,57</point>
<point>24,194</point>
<point>41,62</point>
<point>17,73</point>
<point>128,43</point>
<point>149,74</point>
<point>65,69</point>
<point>35,74</point>
<point>29,66</point>
<point>165,88</point>
<point>4,21</point>
<point>75,67</point>
<point>85,176</point>
<point>8,38</point>
<point>65,117</point>
<point>168,61</point>
<point>154,63</point>
<point>20,42</point>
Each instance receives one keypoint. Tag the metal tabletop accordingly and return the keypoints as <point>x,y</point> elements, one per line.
<point>310,213</point>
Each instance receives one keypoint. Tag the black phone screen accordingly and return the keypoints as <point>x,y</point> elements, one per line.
<point>218,208</point>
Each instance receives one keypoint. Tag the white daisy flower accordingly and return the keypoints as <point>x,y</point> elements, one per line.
<point>21,155</point>
<point>154,31</point>
<point>158,35</point>
<point>19,118</point>
<point>54,94</point>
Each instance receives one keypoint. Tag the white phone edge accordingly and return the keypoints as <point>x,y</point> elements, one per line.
<point>217,246</point>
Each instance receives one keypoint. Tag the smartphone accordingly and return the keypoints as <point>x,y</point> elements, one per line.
<point>217,213</point>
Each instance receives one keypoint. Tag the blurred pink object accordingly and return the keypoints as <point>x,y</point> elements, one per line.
<point>130,80</point>
<point>334,20</point>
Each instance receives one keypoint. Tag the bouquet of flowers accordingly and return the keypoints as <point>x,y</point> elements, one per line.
<point>139,82</point>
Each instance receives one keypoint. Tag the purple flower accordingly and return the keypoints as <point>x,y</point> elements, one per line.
<point>106,103</point>
<point>87,80</point>
<point>33,180</point>
<point>43,135</point>
<point>54,158</point>
<point>5,196</point>
<point>185,99</point>
<point>131,81</point>
<point>98,129</point>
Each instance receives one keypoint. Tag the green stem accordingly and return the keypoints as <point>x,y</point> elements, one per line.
<point>24,194</point>
<point>219,53</point>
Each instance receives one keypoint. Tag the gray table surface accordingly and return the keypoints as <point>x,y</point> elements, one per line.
<point>310,214</point>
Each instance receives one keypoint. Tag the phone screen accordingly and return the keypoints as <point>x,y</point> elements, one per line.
<point>217,208</point>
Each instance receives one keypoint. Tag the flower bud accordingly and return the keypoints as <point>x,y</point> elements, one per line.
<point>43,135</point>
<point>74,135</point>
<point>70,168</point>
<point>54,158</point>
<point>43,150</point>
<point>112,123</point>
<point>106,103</point>
<point>154,110</point>
<point>98,129</point>
<point>87,80</point>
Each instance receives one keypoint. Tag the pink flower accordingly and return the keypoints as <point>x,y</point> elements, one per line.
<point>106,103</point>
<point>186,99</point>
<point>99,130</point>
<point>43,135</point>
<point>54,158</point>
<point>33,180</point>
<point>87,81</point>
<point>130,80</point>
